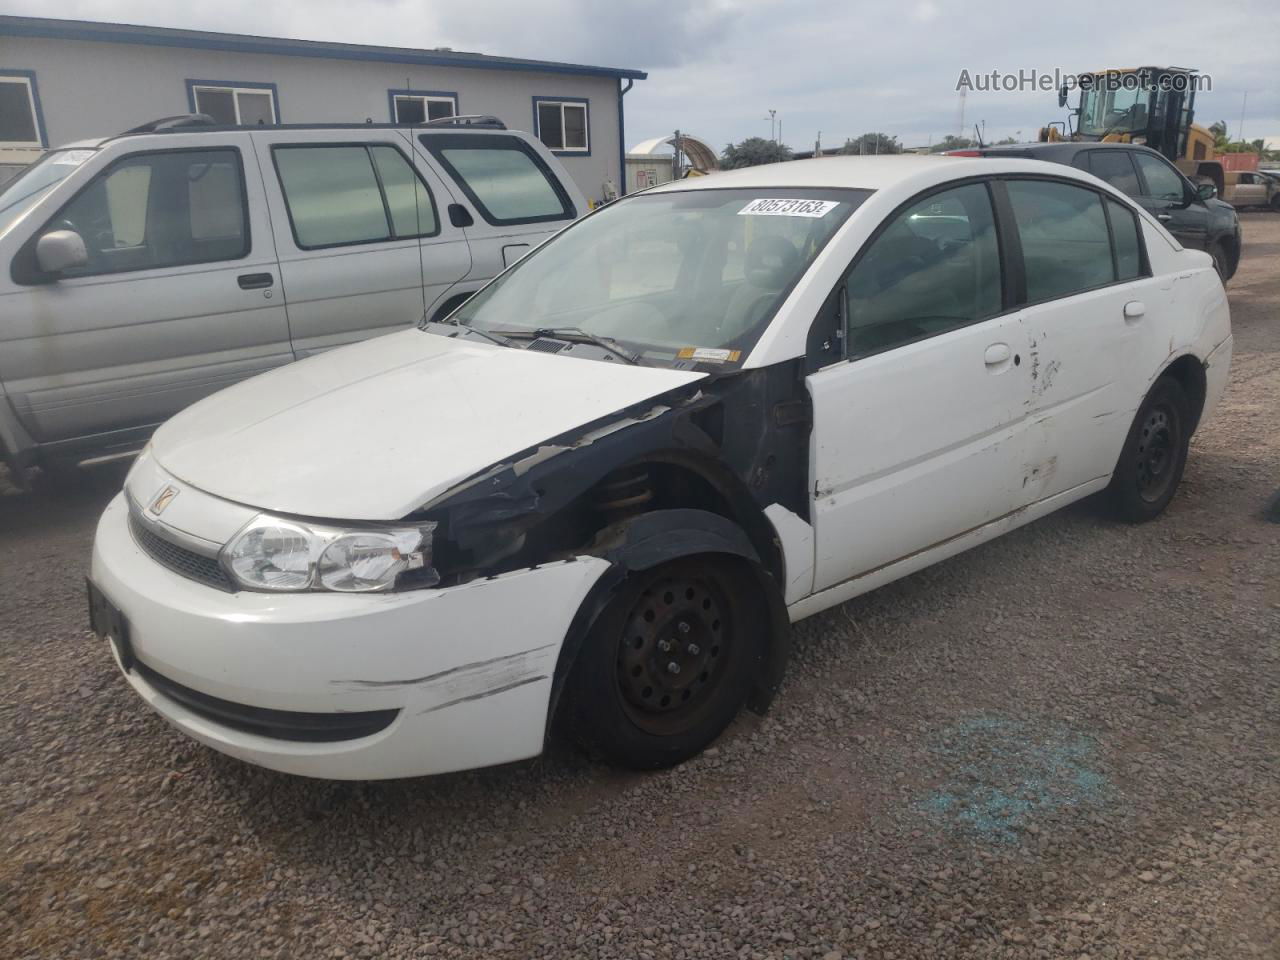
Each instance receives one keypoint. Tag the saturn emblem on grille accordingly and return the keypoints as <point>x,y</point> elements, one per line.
<point>162,500</point>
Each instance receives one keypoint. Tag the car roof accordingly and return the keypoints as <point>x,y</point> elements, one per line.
<point>1067,147</point>
<point>863,173</point>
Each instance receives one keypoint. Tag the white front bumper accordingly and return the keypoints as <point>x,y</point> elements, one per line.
<point>469,668</point>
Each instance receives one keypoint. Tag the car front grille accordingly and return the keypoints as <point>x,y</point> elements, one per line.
<point>263,722</point>
<point>182,561</point>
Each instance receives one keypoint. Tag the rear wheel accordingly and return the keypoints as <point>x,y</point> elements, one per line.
<point>1155,453</point>
<point>668,664</point>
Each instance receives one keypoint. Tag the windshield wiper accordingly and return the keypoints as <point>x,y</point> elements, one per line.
<point>494,337</point>
<point>575,335</point>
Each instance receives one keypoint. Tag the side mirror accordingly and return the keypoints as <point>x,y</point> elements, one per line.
<point>1206,191</point>
<point>60,250</point>
<point>1062,96</point>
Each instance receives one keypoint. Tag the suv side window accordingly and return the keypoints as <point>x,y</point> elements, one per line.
<point>1163,181</point>
<point>1116,168</point>
<point>344,194</point>
<point>1065,245</point>
<point>167,209</point>
<point>933,268</point>
<point>505,179</point>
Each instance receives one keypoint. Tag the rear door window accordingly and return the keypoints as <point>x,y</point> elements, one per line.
<point>1116,168</point>
<point>1124,234</point>
<point>503,177</point>
<point>344,194</point>
<point>1066,247</point>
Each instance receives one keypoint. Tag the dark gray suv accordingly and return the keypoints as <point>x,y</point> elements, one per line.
<point>1191,213</point>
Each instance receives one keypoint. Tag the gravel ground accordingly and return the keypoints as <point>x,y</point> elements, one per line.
<point>1065,743</point>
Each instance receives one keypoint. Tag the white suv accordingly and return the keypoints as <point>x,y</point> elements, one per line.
<point>604,490</point>
<point>145,271</point>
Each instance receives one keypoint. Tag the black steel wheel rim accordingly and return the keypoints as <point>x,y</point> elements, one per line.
<point>674,652</point>
<point>1159,443</point>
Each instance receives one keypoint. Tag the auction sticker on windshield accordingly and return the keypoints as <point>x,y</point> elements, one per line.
<point>779,207</point>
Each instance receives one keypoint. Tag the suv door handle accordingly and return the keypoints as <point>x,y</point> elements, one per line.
<point>1163,217</point>
<point>1134,309</point>
<point>255,281</point>
<point>996,354</point>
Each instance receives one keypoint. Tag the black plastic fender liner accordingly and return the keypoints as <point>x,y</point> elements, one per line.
<point>647,540</point>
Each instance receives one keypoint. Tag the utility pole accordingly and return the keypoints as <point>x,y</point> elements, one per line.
<point>1243,104</point>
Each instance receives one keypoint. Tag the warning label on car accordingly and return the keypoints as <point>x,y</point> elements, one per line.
<point>781,207</point>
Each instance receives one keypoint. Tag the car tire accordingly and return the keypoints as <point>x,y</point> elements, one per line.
<point>702,614</point>
<point>1220,262</point>
<point>1155,453</point>
<point>1275,203</point>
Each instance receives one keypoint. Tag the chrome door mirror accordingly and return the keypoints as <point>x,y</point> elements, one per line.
<point>60,250</point>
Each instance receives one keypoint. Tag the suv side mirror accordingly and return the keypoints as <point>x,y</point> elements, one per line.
<point>1206,191</point>
<point>1062,96</point>
<point>60,250</point>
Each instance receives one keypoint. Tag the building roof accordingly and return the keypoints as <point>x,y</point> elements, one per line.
<point>279,46</point>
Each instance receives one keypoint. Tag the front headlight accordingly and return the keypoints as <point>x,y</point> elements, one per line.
<point>287,555</point>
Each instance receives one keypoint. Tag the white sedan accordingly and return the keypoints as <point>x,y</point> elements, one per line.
<point>601,492</point>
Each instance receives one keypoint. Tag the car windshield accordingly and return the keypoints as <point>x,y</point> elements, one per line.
<point>22,193</point>
<point>691,275</point>
<point>1104,111</point>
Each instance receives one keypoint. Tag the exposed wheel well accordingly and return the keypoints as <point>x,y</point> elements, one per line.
<point>665,484</point>
<point>1189,372</point>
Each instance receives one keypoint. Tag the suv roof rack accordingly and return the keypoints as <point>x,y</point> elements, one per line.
<point>174,122</point>
<point>468,120</point>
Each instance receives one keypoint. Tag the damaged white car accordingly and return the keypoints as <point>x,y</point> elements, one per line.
<point>599,495</point>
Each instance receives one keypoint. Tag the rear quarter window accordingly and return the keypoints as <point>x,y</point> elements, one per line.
<point>503,177</point>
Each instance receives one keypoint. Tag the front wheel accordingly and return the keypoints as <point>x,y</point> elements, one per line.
<point>669,662</point>
<point>1155,453</point>
<point>1220,263</point>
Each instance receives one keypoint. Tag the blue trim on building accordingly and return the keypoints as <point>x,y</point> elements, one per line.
<point>240,43</point>
<point>442,94</point>
<point>30,77</point>
<point>238,84</point>
<point>538,133</point>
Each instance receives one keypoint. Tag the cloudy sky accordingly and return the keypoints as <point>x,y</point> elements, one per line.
<point>832,66</point>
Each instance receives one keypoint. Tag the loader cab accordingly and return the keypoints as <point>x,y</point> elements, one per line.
<point>1152,106</point>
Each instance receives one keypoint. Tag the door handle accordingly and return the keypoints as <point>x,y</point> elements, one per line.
<point>997,354</point>
<point>255,281</point>
<point>1164,217</point>
<point>1134,309</point>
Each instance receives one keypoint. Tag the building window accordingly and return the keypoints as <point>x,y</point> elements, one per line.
<point>20,120</point>
<point>235,104</point>
<point>562,124</point>
<point>419,106</point>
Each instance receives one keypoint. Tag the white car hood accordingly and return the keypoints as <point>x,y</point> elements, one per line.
<point>375,430</point>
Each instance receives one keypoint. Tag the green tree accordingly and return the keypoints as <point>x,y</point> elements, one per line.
<point>951,142</point>
<point>1219,131</point>
<point>872,143</point>
<point>752,152</point>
